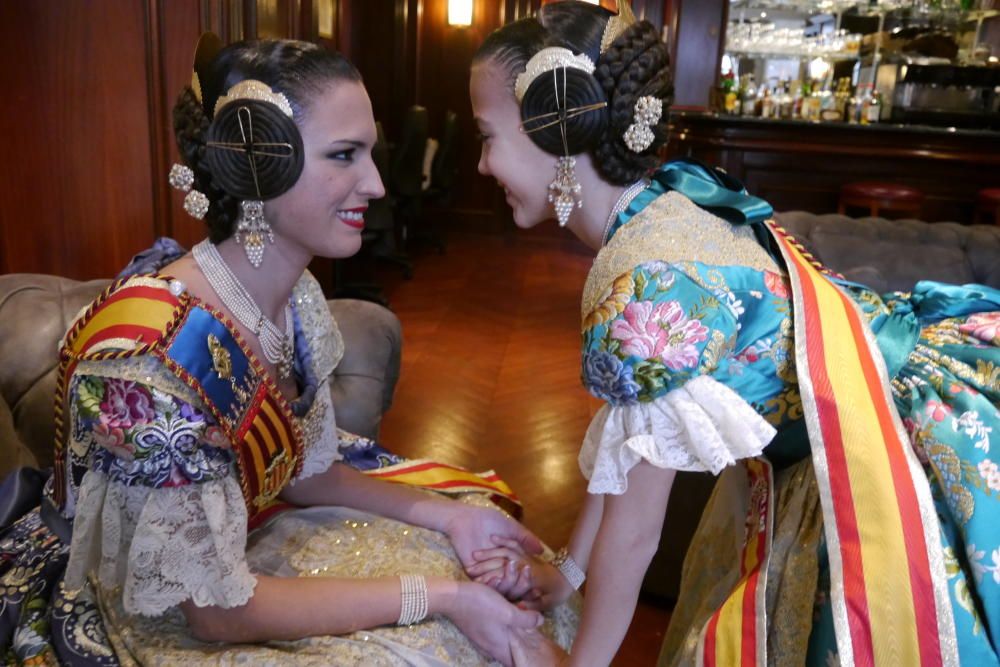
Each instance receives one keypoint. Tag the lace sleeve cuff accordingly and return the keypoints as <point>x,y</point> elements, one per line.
<point>701,426</point>
<point>162,546</point>
<point>319,432</point>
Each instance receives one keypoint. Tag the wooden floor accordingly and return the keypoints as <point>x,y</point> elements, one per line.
<point>491,378</point>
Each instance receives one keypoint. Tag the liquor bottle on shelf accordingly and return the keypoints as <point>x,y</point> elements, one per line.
<point>785,102</point>
<point>767,106</point>
<point>727,85</point>
<point>851,108</point>
<point>811,100</point>
<point>830,105</point>
<point>748,97</point>
<point>864,101</point>
<point>834,112</point>
<point>874,109</point>
<point>799,95</point>
<point>758,105</point>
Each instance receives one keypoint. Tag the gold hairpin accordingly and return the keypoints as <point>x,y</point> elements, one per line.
<point>572,112</point>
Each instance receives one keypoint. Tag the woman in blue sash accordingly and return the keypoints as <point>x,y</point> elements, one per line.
<point>854,519</point>
<point>205,508</point>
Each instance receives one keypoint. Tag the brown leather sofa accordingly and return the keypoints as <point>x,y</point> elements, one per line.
<point>35,311</point>
<point>887,255</point>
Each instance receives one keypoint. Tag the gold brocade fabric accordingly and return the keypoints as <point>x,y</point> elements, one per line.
<point>712,566</point>
<point>673,229</point>
<point>333,542</point>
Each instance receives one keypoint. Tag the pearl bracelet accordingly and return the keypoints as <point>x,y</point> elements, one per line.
<point>567,566</point>
<point>414,599</point>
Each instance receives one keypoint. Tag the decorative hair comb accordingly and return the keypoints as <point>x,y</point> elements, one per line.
<point>617,25</point>
<point>547,60</point>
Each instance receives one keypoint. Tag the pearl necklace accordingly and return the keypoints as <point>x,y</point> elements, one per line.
<point>630,193</point>
<point>276,345</point>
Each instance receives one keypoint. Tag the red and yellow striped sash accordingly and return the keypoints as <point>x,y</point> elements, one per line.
<point>736,634</point>
<point>888,583</point>
<point>449,479</point>
<point>244,401</point>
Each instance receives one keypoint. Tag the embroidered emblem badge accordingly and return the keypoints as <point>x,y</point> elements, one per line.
<point>221,361</point>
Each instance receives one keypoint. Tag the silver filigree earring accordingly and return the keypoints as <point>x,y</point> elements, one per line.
<point>252,229</point>
<point>564,191</point>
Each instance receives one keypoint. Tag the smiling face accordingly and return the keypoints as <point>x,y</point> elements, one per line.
<point>323,213</point>
<point>520,167</point>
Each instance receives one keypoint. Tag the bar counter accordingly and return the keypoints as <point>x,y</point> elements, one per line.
<point>801,165</point>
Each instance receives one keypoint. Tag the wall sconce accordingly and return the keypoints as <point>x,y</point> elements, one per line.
<point>460,12</point>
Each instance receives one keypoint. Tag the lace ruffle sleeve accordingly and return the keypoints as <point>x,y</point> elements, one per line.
<point>159,511</point>
<point>702,426</point>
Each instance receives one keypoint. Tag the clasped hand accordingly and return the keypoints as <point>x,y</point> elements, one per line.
<point>501,554</point>
<point>534,584</point>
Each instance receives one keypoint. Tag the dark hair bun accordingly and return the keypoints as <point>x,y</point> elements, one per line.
<point>545,96</point>
<point>636,64</point>
<point>275,169</point>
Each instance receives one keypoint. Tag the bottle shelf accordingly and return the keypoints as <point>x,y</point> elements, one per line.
<point>804,55</point>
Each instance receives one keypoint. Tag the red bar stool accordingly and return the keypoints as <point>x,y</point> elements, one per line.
<point>877,196</point>
<point>988,204</point>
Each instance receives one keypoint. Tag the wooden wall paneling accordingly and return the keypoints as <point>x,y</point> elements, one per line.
<point>699,35</point>
<point>158,144</point>
<point>670,12</point>
<point>76,182</point>
<point>181,24</point>
<point>647,10</point>
<point>224,17</point>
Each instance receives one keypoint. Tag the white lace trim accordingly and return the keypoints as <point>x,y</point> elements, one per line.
<point>319,433</point>
<point>701,426</point>
<point>162,546</point>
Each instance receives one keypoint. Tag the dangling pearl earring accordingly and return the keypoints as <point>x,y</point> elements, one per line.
<point>251,229</point>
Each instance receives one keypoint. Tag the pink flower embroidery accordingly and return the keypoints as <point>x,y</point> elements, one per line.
<point>113,440</point>
<point>984,326</point>
<point>216,437</point>
<point>125,404</point>
<point>937,410</point>
<point>776,284</point>
<point>662,330</point>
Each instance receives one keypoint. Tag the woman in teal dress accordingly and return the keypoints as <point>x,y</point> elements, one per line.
<point>833,536</point>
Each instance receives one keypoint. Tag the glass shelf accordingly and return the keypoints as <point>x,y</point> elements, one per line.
<point>810,55</point>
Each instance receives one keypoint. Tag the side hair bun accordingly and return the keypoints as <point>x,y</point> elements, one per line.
<point>275,158</point>
<point>570,89</point>
<point>637,64</point>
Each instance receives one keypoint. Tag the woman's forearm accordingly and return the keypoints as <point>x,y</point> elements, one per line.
<point>344,486</point>
<point>588,522</point>
<point>321,606</point>
<point>622,550</point>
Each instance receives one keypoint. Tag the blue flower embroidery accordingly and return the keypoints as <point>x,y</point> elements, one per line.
<point>608,378</point>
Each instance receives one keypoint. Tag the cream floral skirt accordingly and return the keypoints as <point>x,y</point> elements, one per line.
<point>335,542</point>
